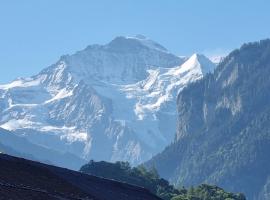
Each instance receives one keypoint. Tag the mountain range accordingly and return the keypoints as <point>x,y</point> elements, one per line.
<point>132,100</point>
<point>107,102</point>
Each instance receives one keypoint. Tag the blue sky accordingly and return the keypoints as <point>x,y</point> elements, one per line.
<point>34,34</point>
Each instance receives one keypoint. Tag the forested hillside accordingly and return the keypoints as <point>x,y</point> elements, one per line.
<point>223,133</point>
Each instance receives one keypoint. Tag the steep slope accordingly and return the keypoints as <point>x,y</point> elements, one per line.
<point>223,132</point>
<point>107,102</point>
<point>15,145</point>
<point>28,180</point>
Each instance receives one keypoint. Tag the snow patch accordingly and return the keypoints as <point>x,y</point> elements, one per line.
<point>22,83</point>
<point>14,124</point>
<point>63,93</point>
<point>71,134</point>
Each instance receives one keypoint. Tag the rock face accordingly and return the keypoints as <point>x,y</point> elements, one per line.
<point>28,180</point>
<point>223,129</point>
<point>107,102</point>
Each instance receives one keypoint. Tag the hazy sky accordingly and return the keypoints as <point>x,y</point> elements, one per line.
<point>34,34</point>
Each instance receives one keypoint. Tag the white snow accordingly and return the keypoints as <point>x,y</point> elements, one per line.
<point>70,134</point>
<point>138,104</point>
<point>63,93</point>
<point>14,124</point>
<point>22,83</point>
<point>162,85</point>
<point>75,136</point>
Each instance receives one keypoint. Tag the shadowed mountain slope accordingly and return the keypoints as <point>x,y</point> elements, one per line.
<point>223,131</point>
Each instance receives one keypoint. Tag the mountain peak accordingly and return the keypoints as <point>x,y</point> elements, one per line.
<point>199,57</point>
<point>75,102</point>
<point>204,63</point>
<point>136,41</point>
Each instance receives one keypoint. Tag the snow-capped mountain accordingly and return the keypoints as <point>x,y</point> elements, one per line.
<point>107,102</point>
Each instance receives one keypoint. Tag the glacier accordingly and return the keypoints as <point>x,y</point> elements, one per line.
<point>107,102</point>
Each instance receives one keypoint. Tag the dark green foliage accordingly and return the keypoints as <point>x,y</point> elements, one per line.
<point>207,192</point>
<point>121,171</point>
<point>140,176</point>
